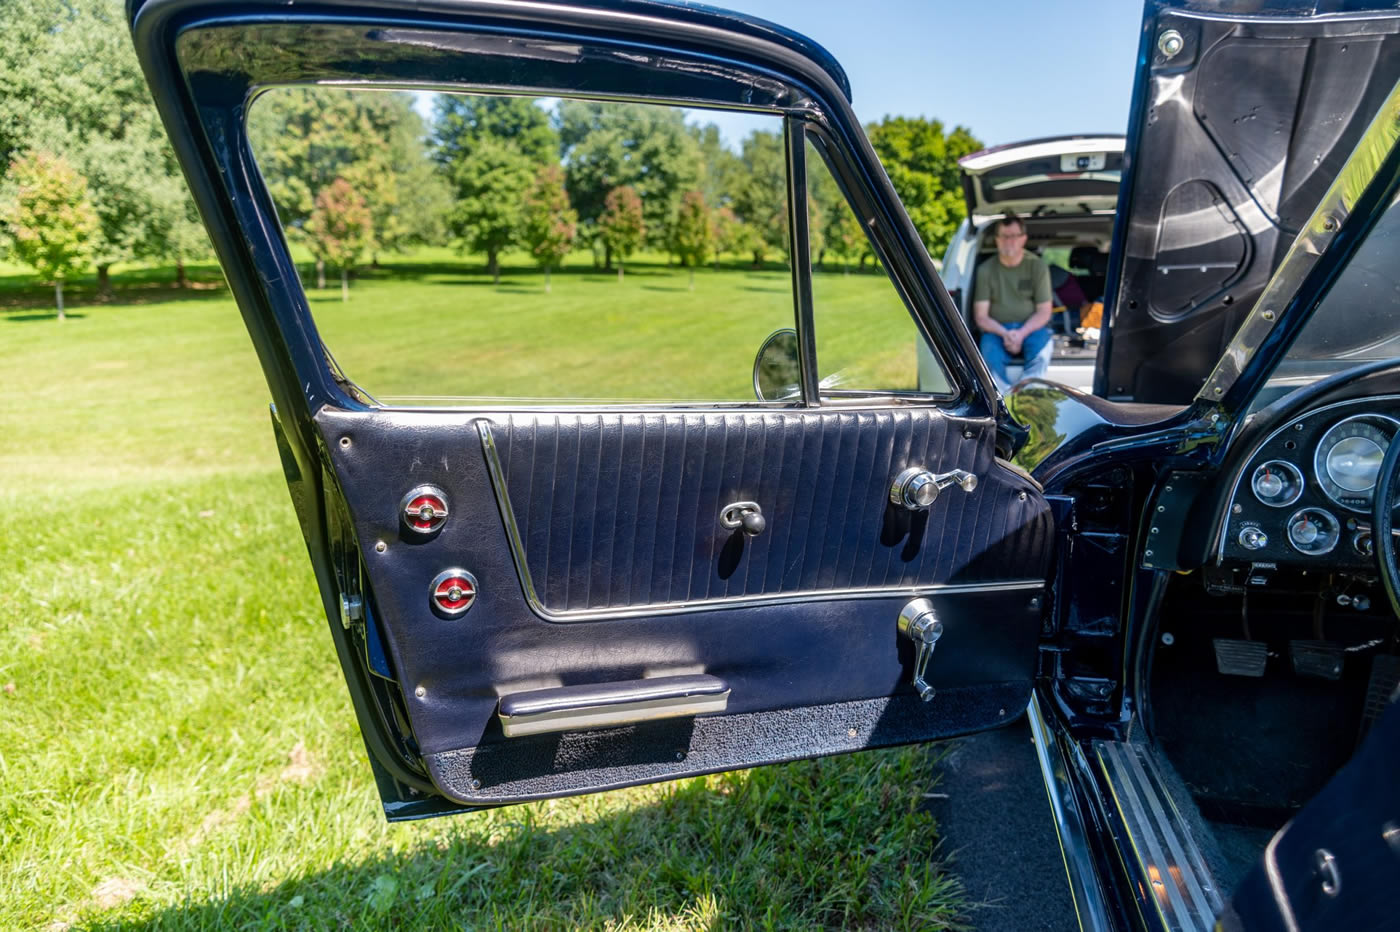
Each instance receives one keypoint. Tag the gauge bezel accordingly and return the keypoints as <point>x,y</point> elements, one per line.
<point>1319,462</point>
<point>1336,534</point>
<point>1300,482</point>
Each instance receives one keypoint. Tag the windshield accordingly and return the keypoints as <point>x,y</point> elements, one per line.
<point>1357,322</point>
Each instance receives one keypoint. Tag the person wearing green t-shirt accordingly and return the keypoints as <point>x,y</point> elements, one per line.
<point>1011,304</point>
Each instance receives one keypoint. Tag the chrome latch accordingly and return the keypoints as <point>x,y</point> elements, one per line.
<point>745,515</point>
<point>916,488</point>
<point>919,624</point>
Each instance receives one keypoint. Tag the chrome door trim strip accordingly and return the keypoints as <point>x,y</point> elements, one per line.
<point>1085,891</point>
<point>1237,480</point>
<point>1183,891</point>
<point>610,716</point>
<point>527,584</point>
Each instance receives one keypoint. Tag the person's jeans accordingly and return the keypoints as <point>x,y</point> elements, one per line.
<point>1036,350</point>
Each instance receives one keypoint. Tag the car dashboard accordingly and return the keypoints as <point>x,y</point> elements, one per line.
<point>1303,497</point>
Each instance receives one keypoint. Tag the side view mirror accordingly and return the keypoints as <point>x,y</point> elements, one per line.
<point>777,374</point>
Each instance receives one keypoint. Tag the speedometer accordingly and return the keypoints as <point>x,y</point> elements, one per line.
<point>1348,459</point>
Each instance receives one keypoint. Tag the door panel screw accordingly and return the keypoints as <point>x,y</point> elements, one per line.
<point>345,443</point>
<point>380,546</point>
<point>420,692</point>
<point>1168,639</point>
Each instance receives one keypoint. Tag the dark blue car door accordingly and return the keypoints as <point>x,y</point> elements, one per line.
<point>538,599</point>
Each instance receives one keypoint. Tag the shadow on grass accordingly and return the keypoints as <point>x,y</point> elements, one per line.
<point>51,315</point>
<point>835,844</point>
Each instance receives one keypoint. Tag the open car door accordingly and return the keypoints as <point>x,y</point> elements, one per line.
<point>1243,113</point>
<point>542,597</point>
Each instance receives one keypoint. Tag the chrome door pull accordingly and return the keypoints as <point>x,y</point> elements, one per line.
<point>916,488</point>
<point>919,624</point>
<point>743,515</point>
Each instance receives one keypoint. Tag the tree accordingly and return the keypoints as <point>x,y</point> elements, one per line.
<point>460,121</point>
<point>641,146</point>
<point>922,162</point>
<point>844,238</point>
<point>305,138</point>
<point>71,84</point>
<point>340,229</point>
<point>49,219</point>
<point>490,184</point>
<point>693,233</point>
<point>622,224</point>
<point>550,223</point>
<point>760,199</point>
<point>726,232</point>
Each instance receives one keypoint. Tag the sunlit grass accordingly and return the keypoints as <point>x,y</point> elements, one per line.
<point>176,743</point>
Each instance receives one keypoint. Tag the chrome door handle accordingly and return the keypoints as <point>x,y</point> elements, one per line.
<point>743,515</point>
<point>919,624</point>
<point>916,488</point>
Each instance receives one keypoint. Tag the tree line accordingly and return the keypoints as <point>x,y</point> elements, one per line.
<point>90,180</point>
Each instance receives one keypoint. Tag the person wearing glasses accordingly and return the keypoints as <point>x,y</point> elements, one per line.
<point>1011,304</point>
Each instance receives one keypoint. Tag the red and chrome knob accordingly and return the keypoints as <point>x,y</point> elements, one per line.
<point>424,509</point>
<point>453,592</point>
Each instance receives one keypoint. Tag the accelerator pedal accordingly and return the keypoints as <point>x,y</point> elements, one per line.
<point>1321,659</point>
<point>1234,657</point>
<point>1380,691</point>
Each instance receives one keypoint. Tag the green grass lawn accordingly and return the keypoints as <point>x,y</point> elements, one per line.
<point>176,743</point>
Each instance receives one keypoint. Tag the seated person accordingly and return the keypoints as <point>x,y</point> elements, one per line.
<point>1011,304</point>
<point>1070,296</point>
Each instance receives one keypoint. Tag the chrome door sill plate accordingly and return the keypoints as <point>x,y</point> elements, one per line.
<point>1184,893</point>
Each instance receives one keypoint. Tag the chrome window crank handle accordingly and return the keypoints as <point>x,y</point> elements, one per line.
<point>918,622</point>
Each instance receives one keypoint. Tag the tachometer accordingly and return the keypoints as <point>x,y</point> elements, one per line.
<point>1277,483</point>
<point>1313,531</point>
<point>1348,459</point>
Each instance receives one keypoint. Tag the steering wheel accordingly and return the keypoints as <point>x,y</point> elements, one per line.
<point>1382,521</point>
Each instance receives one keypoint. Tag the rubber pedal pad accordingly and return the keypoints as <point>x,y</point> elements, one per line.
<point>1381,690</point>
<point>1321,659</point>
<point>1234,657</point>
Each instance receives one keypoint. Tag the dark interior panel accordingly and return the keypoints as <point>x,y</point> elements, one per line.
<point>619,510</point>
<point>980,557</point>
<point>1241,133</point>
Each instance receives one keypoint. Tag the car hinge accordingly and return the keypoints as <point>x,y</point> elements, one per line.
<point>352,611</point>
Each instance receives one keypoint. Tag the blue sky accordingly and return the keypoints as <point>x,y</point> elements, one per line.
<point>1006,69</point>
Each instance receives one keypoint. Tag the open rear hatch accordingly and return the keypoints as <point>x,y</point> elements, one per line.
<point>1060,175</point>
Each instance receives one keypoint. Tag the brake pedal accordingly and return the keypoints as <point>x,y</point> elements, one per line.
<point>1234,657</point>
<point>1322,659</point>
<point>1380,691</point>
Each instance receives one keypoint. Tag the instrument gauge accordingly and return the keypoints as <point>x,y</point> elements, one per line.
<point>1348,459</point>
<point>1313,531</point>
<point>1277,483</point>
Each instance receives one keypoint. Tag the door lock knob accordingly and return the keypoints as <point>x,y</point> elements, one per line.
<point>745,516</point>
<point>919,624</point>
<point>916,488</point>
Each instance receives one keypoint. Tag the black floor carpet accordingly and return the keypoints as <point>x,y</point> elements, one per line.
<point>995,823</point>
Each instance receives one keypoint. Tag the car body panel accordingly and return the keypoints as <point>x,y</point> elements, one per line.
<point>592,538</point>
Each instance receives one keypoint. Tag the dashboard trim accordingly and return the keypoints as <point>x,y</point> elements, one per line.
<point>1238,477</point>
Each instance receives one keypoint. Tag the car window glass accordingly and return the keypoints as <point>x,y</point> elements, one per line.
<point>470,249</point>
<point>866,339</point>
